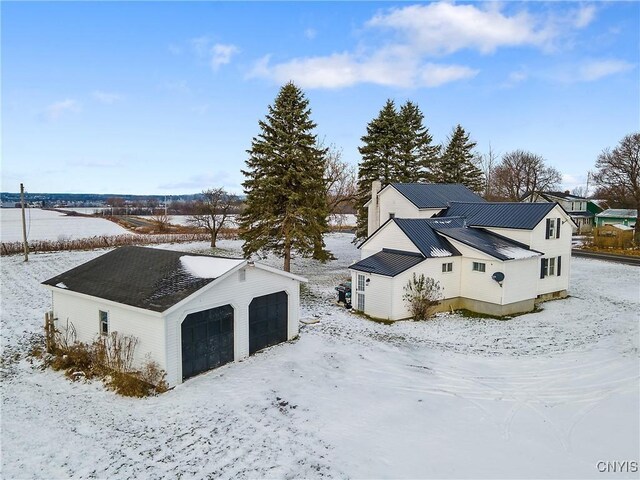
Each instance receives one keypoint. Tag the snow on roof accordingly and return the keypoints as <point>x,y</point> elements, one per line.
<point>622,227</point>
<point>208,267</point>
<point>515,253</point>
<point>440,252</point>
<point>61,285</point>
<point>619,212</point>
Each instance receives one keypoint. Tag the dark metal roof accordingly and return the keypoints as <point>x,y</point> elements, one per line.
<point>583,213</point>
<point>148,278</point>
<point>436,195</point>
<point>421,232</point>
<point>565,195</point>
<point>497,246</point>
<point>500,215</point>
<point>388,262</point>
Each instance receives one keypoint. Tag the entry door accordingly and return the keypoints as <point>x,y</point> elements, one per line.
<point>268,317</point>
<point>207,340</point>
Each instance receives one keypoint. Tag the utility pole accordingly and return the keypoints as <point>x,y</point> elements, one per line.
<point>24,225</point>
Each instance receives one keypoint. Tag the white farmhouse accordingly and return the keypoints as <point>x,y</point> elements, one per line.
<point>190,313</point>
<point>492,258</point>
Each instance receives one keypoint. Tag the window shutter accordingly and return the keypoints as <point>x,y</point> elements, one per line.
<point>543,267</point>
<point>558,228</point>
<point>559,265</point>
<point>547,232</point>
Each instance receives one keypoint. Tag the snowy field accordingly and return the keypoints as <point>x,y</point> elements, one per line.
<point>544,395</point>
<point>48,225</point>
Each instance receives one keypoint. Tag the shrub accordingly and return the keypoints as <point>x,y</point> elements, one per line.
<point>422,295</point>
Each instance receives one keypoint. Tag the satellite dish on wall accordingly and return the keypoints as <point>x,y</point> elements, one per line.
<point>498,277</point>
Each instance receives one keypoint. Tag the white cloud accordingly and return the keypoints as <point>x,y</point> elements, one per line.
<point>310,33</point>
<point>106,97</point>
<point>443,28</point>
<point>597,69</point>
<point>215,55</point>
<point>58,109</point>
<point>584,16</point>
<point>434,75</point>
<point>221,54</point>
<point>344,70</point>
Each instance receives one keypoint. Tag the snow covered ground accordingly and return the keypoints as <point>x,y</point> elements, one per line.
<point>544,395</point>
<point>48,225</point>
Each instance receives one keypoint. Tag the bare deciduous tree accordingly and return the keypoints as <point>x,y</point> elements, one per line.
<point>340,182</point>
<point>161,220</point>
<point>521,172</point>
<point>618,175</point>
<point>212,212</point>
<point>487,163</point>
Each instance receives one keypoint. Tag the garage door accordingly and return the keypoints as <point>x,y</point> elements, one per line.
<point>207,340</point>
<point>267,321</point>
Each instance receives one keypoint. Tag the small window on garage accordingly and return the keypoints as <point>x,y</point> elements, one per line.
<point>447,267</point>
<point>104,322</point>
<point>242,275</point>
<point>479,267</point>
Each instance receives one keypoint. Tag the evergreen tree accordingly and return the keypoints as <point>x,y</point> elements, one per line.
<point>286,208</point>
<point>457,164</point>
<point>417,156</point>
<point>380,159</point>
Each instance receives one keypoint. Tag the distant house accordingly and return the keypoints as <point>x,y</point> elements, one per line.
<point>493,258</point>
<point>190,313</point>
<point>581,210</point>
<point>617,216</point>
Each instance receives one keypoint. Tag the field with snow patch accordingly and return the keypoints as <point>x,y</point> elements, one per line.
<point>547,394</point>
<point>49,225</point>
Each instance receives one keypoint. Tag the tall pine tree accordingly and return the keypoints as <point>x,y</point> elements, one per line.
<point>396,148</point>
<point>457,164</point>
<point>286,208</point>
<point>417,156</point>
<point>380,159</point>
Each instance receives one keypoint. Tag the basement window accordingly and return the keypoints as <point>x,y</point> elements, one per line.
<point>104,322</point>
<point>479,267</point>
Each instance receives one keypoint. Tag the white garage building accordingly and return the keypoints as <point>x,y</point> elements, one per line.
<point>190,313</point>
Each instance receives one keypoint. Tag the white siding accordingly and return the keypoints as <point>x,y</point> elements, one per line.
<point>82,312</point>
<point>389,236</point>
<point>520,280</point>
<point>377,295</point>
<point>392,201</point>
<point>239,295</point>
<point>431,267</point>
<point>550,247</point>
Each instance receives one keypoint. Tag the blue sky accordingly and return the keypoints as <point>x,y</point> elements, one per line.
<point>164,98</point>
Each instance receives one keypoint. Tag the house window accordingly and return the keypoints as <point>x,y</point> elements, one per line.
<point>104,322</point>
<point>361,302</point>
<point>360,283</point>
<point>392,215</point>
<point>550,267</point>
<point>447,267</point>
<point>553,228</point>
<point>479,267</point>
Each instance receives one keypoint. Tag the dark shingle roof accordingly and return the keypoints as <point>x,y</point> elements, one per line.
<point>436,195</point>
<point>500,215</point>
<point>420,232</point>
<point>388,262</point>
<point>148,278</point>
<point>497,246</point>
<point>565,195</point>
